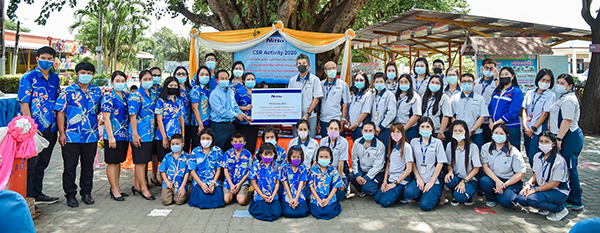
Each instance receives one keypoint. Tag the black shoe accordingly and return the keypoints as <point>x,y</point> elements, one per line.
<point>134,190</point>
<point>87,199</point>
<point>150,198</point>
<point>124,195</point>
<point>72,202</point>
<point>155,183</point>
<point>43,199</point>
<point>116,198</point>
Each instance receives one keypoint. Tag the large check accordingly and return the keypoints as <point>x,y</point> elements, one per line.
<point>276,106</point>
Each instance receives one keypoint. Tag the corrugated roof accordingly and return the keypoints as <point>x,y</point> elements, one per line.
<point>506,46</point>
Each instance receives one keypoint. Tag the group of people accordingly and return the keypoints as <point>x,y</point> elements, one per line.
<point>412,134</point>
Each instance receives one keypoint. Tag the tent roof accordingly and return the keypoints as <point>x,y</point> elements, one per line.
<point>506,46</point>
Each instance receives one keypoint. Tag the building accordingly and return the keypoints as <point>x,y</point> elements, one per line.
<point>578,49</point>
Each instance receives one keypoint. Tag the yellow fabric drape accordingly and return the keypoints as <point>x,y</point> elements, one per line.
<point>235,36</point>
<point>313,38</point>
<point>193,59</point>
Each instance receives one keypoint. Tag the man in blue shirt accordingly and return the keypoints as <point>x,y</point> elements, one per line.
<point>223,111</point>
<point>77,119</point>
<point>38,91</point>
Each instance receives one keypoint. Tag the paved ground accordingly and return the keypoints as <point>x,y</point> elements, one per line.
<point>358,215</point>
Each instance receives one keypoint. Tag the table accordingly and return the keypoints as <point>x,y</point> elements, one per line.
<point>9,108</point>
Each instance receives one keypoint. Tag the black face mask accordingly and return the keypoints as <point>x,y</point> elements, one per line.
<point>172,91</point>
<point>302,68</point>
<point>504,80</point>
<point>437,70</point>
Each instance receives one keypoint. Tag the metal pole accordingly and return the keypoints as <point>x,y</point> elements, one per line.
<point>16,54</point>
<point>99,48</point>
<point>2,48</point>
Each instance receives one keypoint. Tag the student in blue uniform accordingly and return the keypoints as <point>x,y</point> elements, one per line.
<point>312,92</point>
<point>397,170</point>
<point>169,117</point>
<point>270,135</point>
<point>339,147</point>
<point>294,179</point>
<point>504,168</point>
<point>237,71</point>
<point>564,118</point>
<point>361,102</point>
<point>308,145</point>
<point>485,86</point>
<point>116,122</point>
<point>409,106</point>
<point>243,97</point>
<point>334,103</point>
<point>236,164</point>
<point>265,176</point>
<point>505,105</point>
<point>207,193</point>
<point>211,62</point>
<point>436,105</point>
<point>421,78</point>
<point>430,158</point>
<point>368,159</point>
<point>384,109</point>
<point>156,81</point>
<point>223,111</point>
<point>470,107</point>
<point>535,111</point>
<point>324,181</point>
<point>185,89</point>
<point>175,174</point>
<point>451,79</point>
<point>391,72</point>
<point>463,165</point>
<point>437,66</point>
<point>548,188</point>
<point>141,132</point>
<point>199,104</point>
<point>77,110</point>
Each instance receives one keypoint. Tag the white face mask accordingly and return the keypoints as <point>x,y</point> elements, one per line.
<point>303,134</point>
<point>544,86</point>
<point>205,143</point>
<point>458,137</point>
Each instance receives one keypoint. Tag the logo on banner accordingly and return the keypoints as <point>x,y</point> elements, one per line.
<point>276,97</point>
<point>274,41</point>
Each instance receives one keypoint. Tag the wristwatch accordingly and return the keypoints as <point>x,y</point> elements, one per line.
<point>537,189</point>
<point>465,181</point>
<point>559,139</point>
<point>396,182</point>
<point>534,128</point>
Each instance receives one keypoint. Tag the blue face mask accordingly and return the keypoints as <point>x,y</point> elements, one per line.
<point>425,133</point>
<point>181,80</point>
<point>147,85</point>
<point>238,73</point>
<point>391,76</point>
<point>420,70</point>
<point>560,89</point>
<point>368,136</point>
<point>211,65</point>
<point>85,78</point>
<point>452,79</point>
<point>359,85</point>
<point>176,148</point>
<point>467,87</point>
<point>434,87</point>
<point>203,80</point>
<point>224,83</point>
<point>274,142</point>
<point>45,65</point>
<point>332,73</point>
<point>120,86</point>
<point>487,73</point>
<point>499,138</point>
<point>324,162</point>
<point>156,80</point>
<point>250,84</point>
<point>404,87</point>
<point>380,86</point>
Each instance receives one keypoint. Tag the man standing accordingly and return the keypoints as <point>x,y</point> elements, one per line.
<point>311,92</point>
<point>334,105</point>
<point>485,87</point>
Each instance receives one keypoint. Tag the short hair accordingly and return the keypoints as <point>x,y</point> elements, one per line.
<point>302,121</point>
<point>295,149</point>
<point>328,150</point>
<point>438,61</point>
<point>144,73</point>
<point>218,72</point>
<point>264,148</point>
<point>488,61</point>
<point>177,136</point>
<point>543,72</point>
<point>85,66</point>
<point>239,134</point>
<point>117,73</point>
<point>334,121</point>
<point>467,75</point>
<point>379,75</point>
<point>369,123</point>
<point>46,50</point>
<point>155,68</point>
<point>210,133</point>
<point>303,56</point>
<point>269,129</point>
<point>133,87</point>
<point>210,54</point>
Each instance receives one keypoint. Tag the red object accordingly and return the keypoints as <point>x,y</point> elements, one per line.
<point>18,177</point>
<point>484,210</point>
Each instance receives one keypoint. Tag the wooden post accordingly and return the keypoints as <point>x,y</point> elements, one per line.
<point>410,60</point>
<point>460,59</point>
<point>15,60</point>
<point>28,59</point>
<point>449,54</point>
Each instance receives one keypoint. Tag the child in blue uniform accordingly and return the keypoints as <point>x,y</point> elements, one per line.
<point>205,170</point>
<point>398,168</point>
<point>236,164</point>
<point>265,176</point>
<point>270,135</point>
<point>175,173</point>
<point>324,182</point>
<point>294,177</point>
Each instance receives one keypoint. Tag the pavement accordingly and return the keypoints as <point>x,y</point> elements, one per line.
<point>358,214</point>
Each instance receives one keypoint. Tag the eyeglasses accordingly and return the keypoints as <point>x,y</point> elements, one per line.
<point>156,75</point>
<point>181,74</point>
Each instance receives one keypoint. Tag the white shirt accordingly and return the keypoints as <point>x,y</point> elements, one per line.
<point>360,103</point>
<point>568,106</point>
<point>536,105</point>
<point>311,89</point>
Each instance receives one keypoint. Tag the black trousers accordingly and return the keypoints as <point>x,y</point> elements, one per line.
<point>38,164</point>
<point>251,133</point>
<point>192,139</point>
<point>223,132</point>
<point>72,154</point>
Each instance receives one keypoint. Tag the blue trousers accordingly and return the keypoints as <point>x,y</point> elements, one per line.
<point>571,147</point>
<point>507,199</point>
<point>323,128</point>
<point>551,200</point>
<point>328,212</point>
<point>340,194</point>
<point>370,187</point>
<point>515,137</point>
<point>470,189</point>
<point>487,132</point>
<point>531,146</point>
<point>390,197</point>
<point>411,133</point>
<point>223,132</point>
<point>427,200</point>
<point>478,139</point>
<point>357,133</point>
<point>384,136</point>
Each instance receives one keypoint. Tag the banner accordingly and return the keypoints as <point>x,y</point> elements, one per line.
<point>273,60</point>
<point>439,27</point>
<point>276,106</point>
<point>421,31</point>
<point>405,35</point>
<point>525,66</point>
<point>170,66</point>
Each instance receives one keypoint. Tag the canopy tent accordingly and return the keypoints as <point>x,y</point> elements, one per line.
<point>237,40</point>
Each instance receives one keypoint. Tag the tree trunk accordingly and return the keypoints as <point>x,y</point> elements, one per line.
<point>591,95</point>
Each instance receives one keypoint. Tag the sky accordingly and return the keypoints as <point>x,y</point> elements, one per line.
<point>566,13</point>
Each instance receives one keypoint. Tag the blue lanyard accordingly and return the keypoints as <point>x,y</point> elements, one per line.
<point>329,90</point>
<point>358,97</point>
<point>535,102</point>
<point>377,104</point>
<point>426,147</point>
<point>418,87</point>
<point>402,100</point>
<point>484,85</point>
<point>544,171</point>
<point>432,102</point>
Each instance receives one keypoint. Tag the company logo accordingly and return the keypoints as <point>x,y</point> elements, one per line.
<point>274,41</point>
<point>276,97</point>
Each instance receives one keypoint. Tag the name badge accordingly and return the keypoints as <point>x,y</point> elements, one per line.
<point>376,116</point>
<point>423,169</point>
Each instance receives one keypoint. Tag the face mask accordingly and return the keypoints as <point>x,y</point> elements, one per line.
<point>302,69</point>
<point>156,80</point>
<point>560,89</point>
<point>544,86</point>
<point>296,162</point>
<point>420,70</point>
<point>267,160</point>
<point>333,135</point>
<point>434,87</point>
<point>499,138</point>
<point>147,85</point>
<point>504,80</point>
<point>396,137</point>
<point>224,83</point>
<point>45,65</point>
<point>250,84</point>
<point>238,73</point>
<point>437,70</point>
<point>404,87</point>
<point>380,86</point>
<point>487,73</point>
<point>359,85</point>
<point>176,148</point>
<point>545,148</point>
<point>391,76</point>
<point>324,162</point>
<point>120,86</point>
<point>332,73</point>
<point>467,87</point>
<point>303,134</point>
<point>181,80</point>
<point>205,143</point>
<point>274,142</point>
<point>85,78</point>
<point>203,80</point>
<point>172,91</point>
<point>211,65</point>
<point>452,79</point>
<point>368,136</point>
<point>425,133</point>
<point>238,146</point>
<point>459,137</point>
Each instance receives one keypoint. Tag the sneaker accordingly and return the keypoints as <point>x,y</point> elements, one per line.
<point>454,202</point>
<point>404,200</point>
<point>491,203</point>
<point>543,212</point>
<point>362,194</point>
<point>72,202</point>
<point>470,202</point>
<point>555,217</point>
<point>43,199</point>
<point>576,207</point>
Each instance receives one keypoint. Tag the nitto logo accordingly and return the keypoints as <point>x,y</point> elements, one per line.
<point>276,97</point>
<point>274,41</point>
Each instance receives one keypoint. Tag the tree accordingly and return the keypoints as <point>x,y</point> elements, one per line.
<point>591,96</point>
<point>11,25</point>
<point>166,46</point>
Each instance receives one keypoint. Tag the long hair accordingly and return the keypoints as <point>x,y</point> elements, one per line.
<point>422,59</point>
<point>264,148</point>
<point>543,72</point>
<point>397,125</point>
<point>454,143</point>
<point>187,80</point>
<point>395,68</point>
<point>207,86</point>
<point>233,67</point>
<point>427,120</point>
<point>514,82</point>
<point>553,153</point>
<point>354,90</point>
<point>164,94</point>
<point>411,91</point>
<point>507,143</point>
<point>428,94</point>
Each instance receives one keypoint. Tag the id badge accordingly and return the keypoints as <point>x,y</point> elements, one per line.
<point>376,116</point>
<point>530,117</point>
<point>423,169</point>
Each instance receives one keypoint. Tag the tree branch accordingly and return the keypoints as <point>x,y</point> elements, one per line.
<point>197,18</point>
<point>585,12</point>
<point>285,10</point>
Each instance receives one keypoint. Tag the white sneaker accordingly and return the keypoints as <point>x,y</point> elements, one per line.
<point>350,195</point>
<point>543,212</point>
<point>362,194</point>
<point>491,203</point>
<point>454,202</point>
<point>555,217</point>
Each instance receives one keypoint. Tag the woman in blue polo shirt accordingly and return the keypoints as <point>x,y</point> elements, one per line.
<point>243,97</point>
<point>200,107</point>
<point>505,105</point>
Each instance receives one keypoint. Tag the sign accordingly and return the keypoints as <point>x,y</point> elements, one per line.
<point>374,42</point>
<point>171,65</point>
<point>439,27</point>
<point>401,48</point>
<point>594,48</point>
<point>525,66</point>
<point>273,60</point>
<point>405,35</point>
<point>276,106</point>
<point>392,38</point>
<point>383,40</point>
<point>421,31</point>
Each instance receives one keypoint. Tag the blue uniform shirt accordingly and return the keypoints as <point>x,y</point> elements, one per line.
<point>171,112</point>
<point>243,98</point>
<point>199,95</point>
<point>506,105</point>
<point>324,182</point>
<point>266,177</point>
<point>142,105</point>
<point>223,107</point>
<point>294,179</point>
<point>155,92</point>
<point>175,169</point>
<point>40,94</point>
<point>81,113</point>
<point>119,119</point>
<point>238,166</point>
<point>186,106</point>
<point>205,165</point>
<point>281,156</point>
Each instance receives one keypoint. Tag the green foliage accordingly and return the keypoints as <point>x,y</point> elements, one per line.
<point>12,25</point>
<point>10,83</point>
